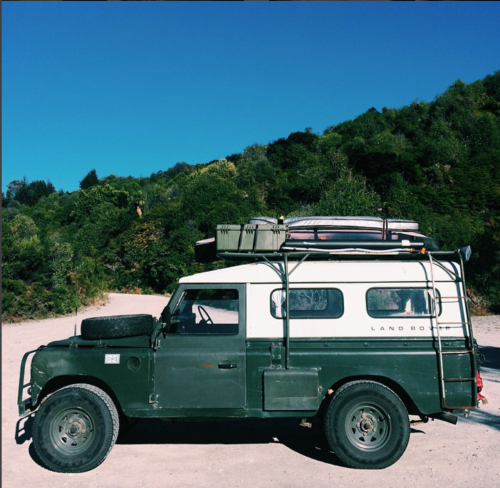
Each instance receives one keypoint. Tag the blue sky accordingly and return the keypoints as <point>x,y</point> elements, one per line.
<point>131,88</point>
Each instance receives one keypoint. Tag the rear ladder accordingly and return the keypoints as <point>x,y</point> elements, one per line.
<point>438,325</point>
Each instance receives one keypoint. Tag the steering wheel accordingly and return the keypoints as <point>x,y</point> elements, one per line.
<point>204,315</point>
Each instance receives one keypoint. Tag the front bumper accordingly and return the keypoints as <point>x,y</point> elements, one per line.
<point>25,406</point>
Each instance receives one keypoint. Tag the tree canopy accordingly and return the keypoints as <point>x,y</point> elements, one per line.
<point>437,163</point>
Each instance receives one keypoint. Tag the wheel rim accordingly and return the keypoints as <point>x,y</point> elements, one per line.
<point>72,431</point>
<point>367,427</point>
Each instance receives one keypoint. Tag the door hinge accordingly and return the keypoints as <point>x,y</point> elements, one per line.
<point>276,354</point>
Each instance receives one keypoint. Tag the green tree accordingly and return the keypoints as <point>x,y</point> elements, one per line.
<point>89,180</point>
<point>349,195</point>
<point>29,193</point>
<point>89,202</point>
<point>211,196</point>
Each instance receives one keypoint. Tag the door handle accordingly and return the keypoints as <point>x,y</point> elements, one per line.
<point>227,366</point>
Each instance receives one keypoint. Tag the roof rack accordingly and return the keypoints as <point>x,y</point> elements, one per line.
<point>342,254</point>
<point>322,237</point>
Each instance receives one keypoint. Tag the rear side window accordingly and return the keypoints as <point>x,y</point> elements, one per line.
<point>308,303</point>
<point>401,302</point>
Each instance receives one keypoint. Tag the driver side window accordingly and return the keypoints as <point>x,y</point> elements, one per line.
<point>206,312</point>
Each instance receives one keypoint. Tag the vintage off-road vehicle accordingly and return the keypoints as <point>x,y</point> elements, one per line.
<point>350,319</point>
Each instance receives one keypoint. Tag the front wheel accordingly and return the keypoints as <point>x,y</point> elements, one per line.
<point>367,425</point>
<point>75,429</point>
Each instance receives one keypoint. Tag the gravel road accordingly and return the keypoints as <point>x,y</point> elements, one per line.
<point>249,453</point>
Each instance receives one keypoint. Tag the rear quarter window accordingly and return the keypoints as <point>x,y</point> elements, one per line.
<point>401,302</point>
<point>308,303</point>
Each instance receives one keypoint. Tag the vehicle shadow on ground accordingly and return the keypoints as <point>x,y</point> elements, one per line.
<point>24,431</point>
<point>483,418</point>
<point>24,428</point>
<point>490,357</point>
<point>34,456</point>
<point>307,441</point>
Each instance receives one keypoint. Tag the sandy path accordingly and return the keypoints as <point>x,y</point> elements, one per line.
<point>252,453</point>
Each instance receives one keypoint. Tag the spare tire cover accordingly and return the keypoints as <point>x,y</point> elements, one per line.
<point>117,326</point>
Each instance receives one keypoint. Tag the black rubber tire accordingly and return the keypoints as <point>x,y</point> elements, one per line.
<point>117,326</point>
<point>367,425</point>
<point>75,429</point>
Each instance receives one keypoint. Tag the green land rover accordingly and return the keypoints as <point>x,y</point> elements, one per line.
<point>361,337</point>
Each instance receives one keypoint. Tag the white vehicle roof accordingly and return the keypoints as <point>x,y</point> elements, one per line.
<point>328,272</point>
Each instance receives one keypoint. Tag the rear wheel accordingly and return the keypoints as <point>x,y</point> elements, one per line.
<point>367,425</point>
<point>75,429</point>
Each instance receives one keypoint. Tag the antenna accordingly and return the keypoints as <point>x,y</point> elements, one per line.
<point>76,318</point>
<point>75,283</point>
<point>76,311</point>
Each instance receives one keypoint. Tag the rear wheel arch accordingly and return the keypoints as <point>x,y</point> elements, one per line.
<point>410,405</point>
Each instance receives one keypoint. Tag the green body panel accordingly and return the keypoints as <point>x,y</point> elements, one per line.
<point>460,381</point>
<point>408,366</point>
<point>127,374</point>
<point>183,378</point>
<point>193,371</point>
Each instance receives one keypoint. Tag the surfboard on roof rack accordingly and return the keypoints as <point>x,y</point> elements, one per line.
<point>340,222</point>
<point>343,235</point>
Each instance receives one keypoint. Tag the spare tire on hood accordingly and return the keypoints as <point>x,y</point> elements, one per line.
<point>117,326</point>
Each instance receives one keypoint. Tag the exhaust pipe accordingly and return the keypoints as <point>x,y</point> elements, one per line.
<point>445,417</point>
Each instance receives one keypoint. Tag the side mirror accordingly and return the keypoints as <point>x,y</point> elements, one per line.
<point>466,253</point>
<point>165,315</point>
<point>165,318</point>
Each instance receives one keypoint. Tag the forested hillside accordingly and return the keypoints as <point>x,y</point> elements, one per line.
<point>437,163</point>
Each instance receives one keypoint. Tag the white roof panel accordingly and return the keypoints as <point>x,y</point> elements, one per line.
<point>327,271</point>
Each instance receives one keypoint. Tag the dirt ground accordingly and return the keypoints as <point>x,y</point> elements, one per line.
<point>249,453</point>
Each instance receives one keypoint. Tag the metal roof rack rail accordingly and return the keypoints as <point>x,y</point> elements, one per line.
<point>323,236</point>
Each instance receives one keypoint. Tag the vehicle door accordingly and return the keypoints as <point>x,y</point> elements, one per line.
<point>201,362</point>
